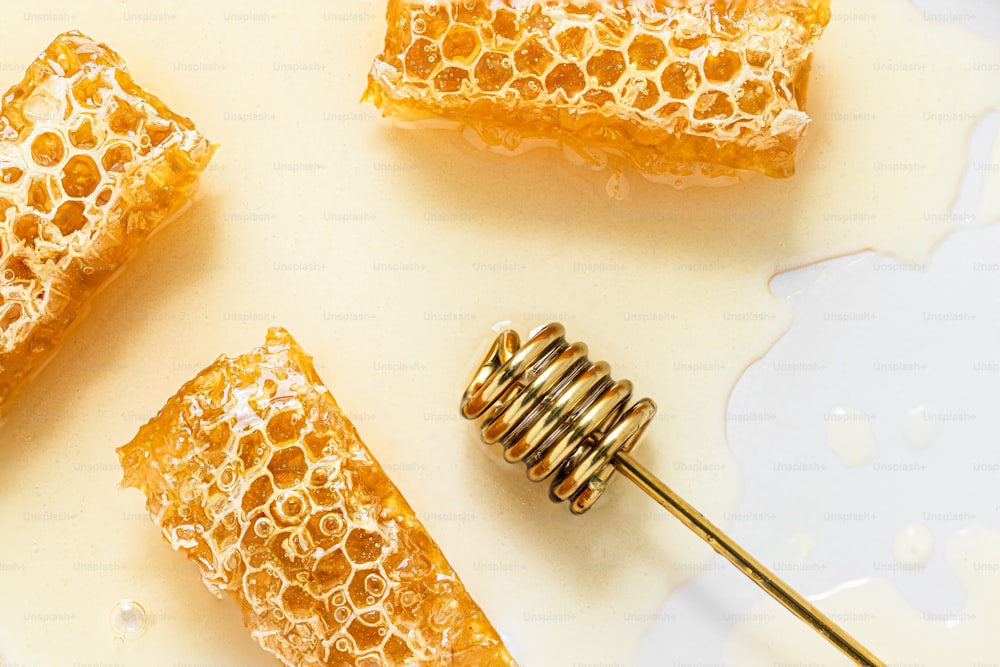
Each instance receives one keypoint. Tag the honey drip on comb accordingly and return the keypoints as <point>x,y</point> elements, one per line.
<point>90,164</point>
<point>254,473</point>
<point>677,88</point>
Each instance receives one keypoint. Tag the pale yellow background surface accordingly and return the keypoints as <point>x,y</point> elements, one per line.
<point>389,254</point>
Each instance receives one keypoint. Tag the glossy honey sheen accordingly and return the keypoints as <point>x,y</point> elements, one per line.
<point>90,165</point>
<point>255,474</point>
<point>679,88</point>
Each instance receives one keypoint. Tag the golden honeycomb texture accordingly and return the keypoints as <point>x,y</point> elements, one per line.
<point>681,89</point>
<point>90,165</point>
<point>253,472</point>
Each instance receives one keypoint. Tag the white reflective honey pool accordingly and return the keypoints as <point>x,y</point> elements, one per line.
<point>836,420</point>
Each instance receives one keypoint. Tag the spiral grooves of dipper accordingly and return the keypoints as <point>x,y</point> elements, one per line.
<point>549,406</point>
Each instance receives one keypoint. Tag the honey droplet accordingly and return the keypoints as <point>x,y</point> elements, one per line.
<point>332,524</point>
<point>128,620</point>
<point>913,545</point>
<point>263,527</point>
<point>375,584</point>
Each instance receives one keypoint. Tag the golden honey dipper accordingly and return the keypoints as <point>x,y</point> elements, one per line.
<point>551,407</point>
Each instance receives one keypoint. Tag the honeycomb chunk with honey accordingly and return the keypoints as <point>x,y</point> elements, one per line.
<point>90,165</point>
<point>253,472</point>
<point>682,89</point>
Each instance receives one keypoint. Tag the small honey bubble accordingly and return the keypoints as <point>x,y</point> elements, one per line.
<point>263,527</point>
<point>128,620</point>
<point>227,478</point>
<point>374,584</point>
<point>290,506</point>
<point>331,524</point>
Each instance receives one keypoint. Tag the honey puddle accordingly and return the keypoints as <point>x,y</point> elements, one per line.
<point>885,621</point>
<point>902,501</point>
<point>389,254</point>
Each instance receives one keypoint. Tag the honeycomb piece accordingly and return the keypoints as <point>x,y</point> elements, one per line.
<point>90,164</point>
<point>252,470</point>
<point>679,88</point>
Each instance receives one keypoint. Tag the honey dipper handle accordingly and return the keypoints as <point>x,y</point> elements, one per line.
<point>746,563</point>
